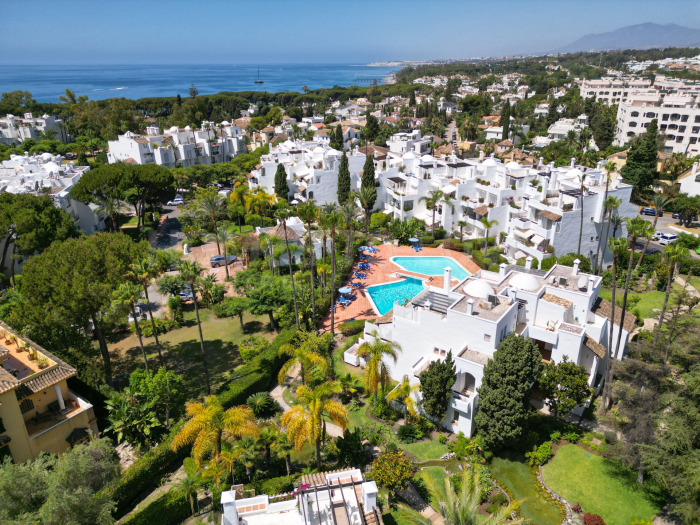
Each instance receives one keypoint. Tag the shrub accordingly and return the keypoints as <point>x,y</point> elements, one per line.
<point>163,326</point>
<point>494,268</point>
<point>251,219</point>
<point>540,455</point>
<point>442,439</point>
<point>451,245</point>
<point>610,437</point>
<point>170,507</point>
<point>440,234</point>
<point>253,346</point>
<point>272,486</point>
<point>409,434</point>
<point>427,240</point>
<point>555,437</point>
<point>260,403</point>
<point>379,220</point>
<point>499,499</point>
<point>352,328</point>
<point>592,519</point>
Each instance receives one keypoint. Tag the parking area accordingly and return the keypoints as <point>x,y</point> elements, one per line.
<point>664,224</point>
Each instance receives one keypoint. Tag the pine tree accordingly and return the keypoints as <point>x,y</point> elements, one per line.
<point>372,128</point>
<point>505,119</point>
<point>640,168</point>
<point>281,188</point>
<point>82,159</point>
<point>337,142</point>
<point>504,395</point>
<point>412,99</point>
<point>436,384</point>
<point>368,176</point>
<point>552,114</point>
<point>343,180</point>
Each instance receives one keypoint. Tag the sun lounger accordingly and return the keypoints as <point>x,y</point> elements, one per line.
<point>355,285</point>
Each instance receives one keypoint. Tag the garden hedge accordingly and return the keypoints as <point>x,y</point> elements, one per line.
<point>272,486</point>
<point>352,328</point>
<point>171,507</point>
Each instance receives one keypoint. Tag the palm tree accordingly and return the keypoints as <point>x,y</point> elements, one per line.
<point>460,508</point>
<point>374,355</point>
<point>305,422</point>
<point>348,384</point>
<point>222,236</point>
<point>263,200</point>
<point>215,473</point>
<point>125,297</point>
<point>611,204</point>
<point>571,139</point>
<point>111,206</point>
<point>402,393</point>
<point>462,225</point>
<point>584,137</point>
<point>487,226</point>
<point>674,254</point>
<point>212,205</point>
<point>580,229</point>
<point>366,197</point>
<point>191,271</point>
<point>267,437</point>
<point>143,271</point>
<point>209,424</point>
<point>246,450</point>
<point>609,168</point>
<point>189,486</point>
<point>332,220</point>
<point>617,247</point>
<point>349,212</point>
<point>282,215</point>
<point>676,164</point>
<point>306,355</point>
<point>239,198</point>
<point>431,201</point>
<point>228,460</point>
<point>283,446</point>
<point>308,212</point>
<point>659,202</point>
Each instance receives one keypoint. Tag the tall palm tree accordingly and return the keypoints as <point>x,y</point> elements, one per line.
<point>191,271</point>
<point>305,422</point>
<point>306,355</point>
<point>212,205</point>
<point>125,297</point>
<point>487,226</point>
<point>617,248</point>
<point>308,212</point>
<point>571,139</point>
<point>144,271</point>
<point>228,460</point>
<point>659,202</point>
<point>432,199</point>
<point>264,201</point>
<point>246,451</point>
<point>374,355</point>
<point>209,424</point>
<point>349,212</point>
<point>366,196</point>
<point>283,214</point>
<point>283,446</point>
<point>267,437</point>
<point>112,207</point>
<point>462,225</point>
<point>332,220</point>
<point>580,229</point>
<point>189,486</point>
<point>402,393</point>
<point>674,255</point>
<point>460,507</point>
<point>222,236</point>
<point>583,138</point>
<point>611,204</point>
<point>239,198</point>
<point>609,168</point>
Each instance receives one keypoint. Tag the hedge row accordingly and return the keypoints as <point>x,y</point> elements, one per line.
<point>272,486</point>
<point>171,507</point>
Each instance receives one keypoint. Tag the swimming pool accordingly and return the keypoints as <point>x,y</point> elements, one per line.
<point>385,295</point>
<point>431,265</point>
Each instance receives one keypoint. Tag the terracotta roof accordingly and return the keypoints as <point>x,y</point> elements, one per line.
<point>324,132</point>
<point>319,479</point>
<point>603,308</point>
<point>130,161</point>
<point>505,143</point>
<point>550,215</point>
<point>555,299</point>
<point>387,318</point>
<point>482,210</point>
<point>141,141</point>
<point>250,175</point>
<point>661,155</point>
<point>596,348</point>
<point>278,231</point>
<point>619,155</point>
<point>168,139</point>
<point>77,435</point>
<point>7,381</point>
<point>268,129</point>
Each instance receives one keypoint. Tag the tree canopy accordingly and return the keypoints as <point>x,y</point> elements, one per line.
<point>436,384</point>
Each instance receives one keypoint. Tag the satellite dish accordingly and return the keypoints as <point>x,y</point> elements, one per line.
<point>582,281</point>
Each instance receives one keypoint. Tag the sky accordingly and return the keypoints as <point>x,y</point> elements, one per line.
<point>87,32</point>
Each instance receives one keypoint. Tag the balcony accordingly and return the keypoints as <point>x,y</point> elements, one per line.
<point>54,416</point>
<point>463,401</point>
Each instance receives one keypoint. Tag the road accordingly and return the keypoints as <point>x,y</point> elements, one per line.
<point>663,225</point>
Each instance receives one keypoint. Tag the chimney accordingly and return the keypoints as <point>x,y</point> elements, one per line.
<point>502,270</point>
<point>545,183</point>
<point>470,307</point>
<point>369,495</point>
<point>560,202</point>
<point>573,162</point>
<point>513,295</point>
<point>541,161</point>
<point>576,263</point>
<point>528,262</point>
<point>448,280</point>
<point>600,165</point>
<point>481,155</point>
<point>591,281</point>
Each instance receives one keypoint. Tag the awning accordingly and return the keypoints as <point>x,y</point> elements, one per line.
<point>525,234</point>
<point>449,189</point>
<point>397,180</point>
<point>549,215</point>
<point>427,216</point>
<point>536,239</point>
<point>482,210</point>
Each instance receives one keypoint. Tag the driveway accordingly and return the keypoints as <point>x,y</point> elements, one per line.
<point>663,226</point>
<point>172,235</point>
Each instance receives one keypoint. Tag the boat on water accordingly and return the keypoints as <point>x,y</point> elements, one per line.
<point>258,81</point>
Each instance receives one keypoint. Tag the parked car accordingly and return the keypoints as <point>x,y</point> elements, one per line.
<point>216,185</point>
<point>677,215</point>
<point>667,238</point>
<point>140,315</point>
<point>175,266</point>
<point>218,260</point>
<point>186,294</point>
<point>177,201</point>
<point>652,212</point>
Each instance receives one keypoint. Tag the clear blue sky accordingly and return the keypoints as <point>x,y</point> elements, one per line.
<point>308,31</point>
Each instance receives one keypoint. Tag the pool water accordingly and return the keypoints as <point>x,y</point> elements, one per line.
<point>512,470</point>
<point>431,266</point>
<point>385,295</point>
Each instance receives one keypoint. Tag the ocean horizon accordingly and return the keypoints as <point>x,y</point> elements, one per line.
<point>47,83</point>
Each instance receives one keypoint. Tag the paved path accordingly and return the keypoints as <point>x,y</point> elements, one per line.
<point>418,503</point>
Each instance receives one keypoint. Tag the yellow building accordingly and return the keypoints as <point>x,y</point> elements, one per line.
<point>38,413</point>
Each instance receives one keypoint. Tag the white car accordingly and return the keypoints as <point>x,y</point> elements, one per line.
<point>177,201</point>
<point>667,238</point>
<point>140,315</point>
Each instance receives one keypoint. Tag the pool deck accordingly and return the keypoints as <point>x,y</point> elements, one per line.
<point>380,270</point>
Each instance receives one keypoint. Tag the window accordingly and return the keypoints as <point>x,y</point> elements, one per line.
<point>696,129</point>
<point>633,124</point>
<point>487,337</point>
<point>684,118</point>
<point>675,116</point>
<point>634,113</point>
<point>650,115</point>
<point>697,119</point>
<point>670,137</point>
<point>693,140</point>
<point>679,138</point>
<point>436,350</point>
<point>672,126</point>
<point>665,117</point>
<point>591,239</point>
<point>558,229</point>
<point>681,129</point>
<point>26,405</point>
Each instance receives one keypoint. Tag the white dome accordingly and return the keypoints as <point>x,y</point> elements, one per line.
<point>525,281</point>
<point>187,128</point>
<point>478,288</point>
<point>225,123</point>
<point>52,167</point>
<point>293,221</point>
<point>47,156</point>
<point>426,158</point>
<point>409,156</point>
<point>574,172</point>
<point>333,152</point>
<point>489,162</point>
<point>513,165</point>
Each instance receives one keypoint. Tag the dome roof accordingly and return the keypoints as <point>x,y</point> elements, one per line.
<point>47,156</point>
<point>574,172</point>
<point>52,167</point>
<point>489,162</point>
<point>525,281</point>
<point>293,221</point>
<point>478,288</point>
<point>409,156</point>
<point>513,165</point>
<point>187,128</point>
<point>333,152</point>
<point>427,157</point>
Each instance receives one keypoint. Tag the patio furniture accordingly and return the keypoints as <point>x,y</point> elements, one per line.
<point>355,285</point>
<point>365,257</point>
<point>344,290</point>
<point>373,250</point>
<point>360,275</point>
<point>363,266</point>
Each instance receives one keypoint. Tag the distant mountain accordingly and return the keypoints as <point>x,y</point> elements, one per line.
<point>636,37</point>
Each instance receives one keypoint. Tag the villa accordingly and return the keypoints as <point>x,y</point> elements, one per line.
<point>38,412</point>
<point>14,130</point>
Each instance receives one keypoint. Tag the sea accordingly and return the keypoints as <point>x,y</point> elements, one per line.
<point>47,83</point>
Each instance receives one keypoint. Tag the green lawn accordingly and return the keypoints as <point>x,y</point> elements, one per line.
<point>182,349</point>
<point>647,303</point>
<point>233,228</point>
<point>601,486</point>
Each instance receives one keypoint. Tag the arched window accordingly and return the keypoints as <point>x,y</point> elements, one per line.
<point>630,133</point>
<point>675,116</point>
<point>635,114</point>
<point>650,115</point>
<point>633,124</point>
<point>311,195</point>
<point>672,126</point>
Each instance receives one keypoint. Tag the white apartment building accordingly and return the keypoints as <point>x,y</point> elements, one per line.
<point>409,142</point>
<point>690,182</point>
<point>14,130</point>
<point>560,129</point>
<point>559,309</point>
<point>179,147</point>
<point>678,117</point>
<point>612,90</point>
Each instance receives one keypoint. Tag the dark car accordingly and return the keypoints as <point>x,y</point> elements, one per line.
<point>218,260</point>
<point>677,215</point>
<point>651,211</point>
<point>175,266</point>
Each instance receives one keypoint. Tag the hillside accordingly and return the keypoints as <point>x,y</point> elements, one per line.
<point>636,37</point>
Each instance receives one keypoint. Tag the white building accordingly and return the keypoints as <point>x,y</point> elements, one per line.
<point>296,235</point>
<point>179,147</point>
<point>690,182</point>
<point>14,130</point>
<point>559,309</point>
<point>560,129</point>
<point>612,90</point>
<point>410,141</point>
